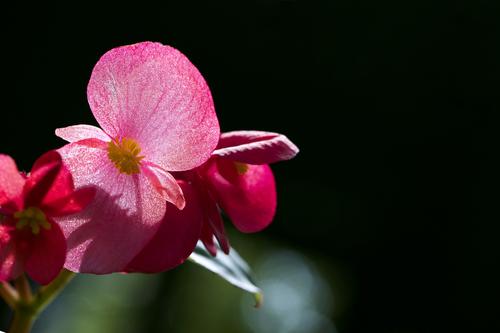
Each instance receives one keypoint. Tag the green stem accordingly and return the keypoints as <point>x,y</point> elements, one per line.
<point>23,288</point>
<point>23,314</point>
<point>48,293</point>
<point>9,294</point>
<point>27,307</point>
<point>23,320</point>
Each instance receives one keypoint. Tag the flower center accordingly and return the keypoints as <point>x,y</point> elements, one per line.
<point>241,168</point>
<point>124,153</point>
<point>32,217</point>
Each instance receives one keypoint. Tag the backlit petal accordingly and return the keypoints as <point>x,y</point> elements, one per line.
<point>153,94</point>
<point>11,183</point>
<point>71,204</point>
<point>49,181</point>
<point>81,132</point>
<point>165,184</point>
<point>255,147</point>
<point>176,238</point>
<point>11,265</point>
<point>122,218</point>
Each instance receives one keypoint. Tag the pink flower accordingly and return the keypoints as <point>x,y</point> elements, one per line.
<point>30,239</point>
<point>236,179</point>
<point>157,116</point>
<point>241,182</point>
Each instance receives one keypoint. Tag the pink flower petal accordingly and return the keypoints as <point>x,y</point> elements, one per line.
<point>123,217</point>
<point>214,220</point>
<point>81,132</point>
<point>11,266</point>
<point>93,143</point>
<point>176,238</point>
<point>11,184</point>
<point>49,181</point>
<point>249,199</point>
<point>153,94</point>
<point>207,237</point>
<point>255,147</point>
<point>47,254</point>
<point>165,184</point>
<point>71,204</point>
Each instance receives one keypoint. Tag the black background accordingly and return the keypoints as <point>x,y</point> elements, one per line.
<point>393,104</point>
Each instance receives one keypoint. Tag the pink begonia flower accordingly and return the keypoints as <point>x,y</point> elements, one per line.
<point>157,116</point>
<point>236,179</point>
<point>30,239</point>
<point>241,182</point>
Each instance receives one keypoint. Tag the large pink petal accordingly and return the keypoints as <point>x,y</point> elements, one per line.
<point>152,93</point>
<point>11,183</point>
<point>122,218</point>
<point>47,254</point>
<point>11,265</point>
<point>249,199</point>
<point>165,184</point>
<point>255,147</point>
<point>81,132</point>
<point>176,238</point>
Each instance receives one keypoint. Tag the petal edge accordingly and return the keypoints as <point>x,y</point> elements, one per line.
<point>255,147</point>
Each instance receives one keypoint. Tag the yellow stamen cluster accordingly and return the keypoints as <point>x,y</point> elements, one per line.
<point>124,153</point>
<point>241,168</point>
<point>32,217</point>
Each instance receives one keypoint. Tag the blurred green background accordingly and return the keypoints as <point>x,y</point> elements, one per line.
<point>387,219</point>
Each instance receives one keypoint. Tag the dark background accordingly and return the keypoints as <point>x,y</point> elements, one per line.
<point>394,196</point>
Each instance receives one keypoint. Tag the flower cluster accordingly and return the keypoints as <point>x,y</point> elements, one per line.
<point>138,193</point>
